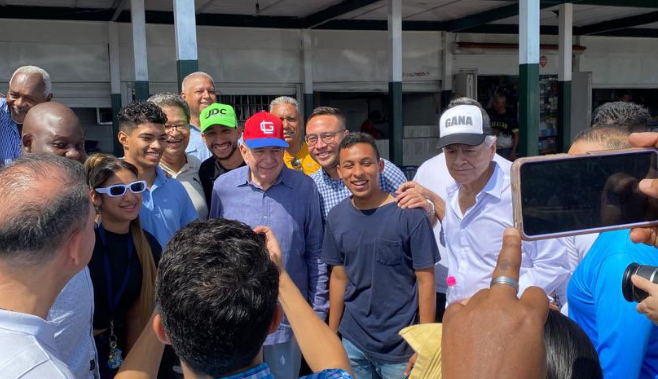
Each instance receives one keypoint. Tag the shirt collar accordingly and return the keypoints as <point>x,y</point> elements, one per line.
<point>30,324</point>
<point>285,177</point>
<point>160,178</point>
<point>261,371</point>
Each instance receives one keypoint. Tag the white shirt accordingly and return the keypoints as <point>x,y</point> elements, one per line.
<point>28,349</point>
<point>474,239</point>
<point>433,174</point>
<point>72,317</point>
<point>188,176</point>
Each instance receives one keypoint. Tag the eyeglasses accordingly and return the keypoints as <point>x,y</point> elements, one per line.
<point>327,137</point>
<point>169,127</point>
<point>120,189</point>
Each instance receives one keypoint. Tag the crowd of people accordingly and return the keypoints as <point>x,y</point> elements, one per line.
<point>287,247</point>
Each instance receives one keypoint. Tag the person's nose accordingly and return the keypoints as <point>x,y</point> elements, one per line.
<point>158,145</point>
<point>73,153</point>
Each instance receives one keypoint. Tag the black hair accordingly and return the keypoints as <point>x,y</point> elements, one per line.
<point>216,290</point>
<point>569,351</point>
<point>45,199</point>
<point>354,138</point>
<point>329,111</point>
<point>631,116</point>
<point>140,112</point>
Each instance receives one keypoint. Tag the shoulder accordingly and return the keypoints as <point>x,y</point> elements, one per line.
<point>298,178</point>
<point>232,177</point>
<point>338,212</point>
<point>431,165</point>
<point>391,169</point>
<point>193,161</point>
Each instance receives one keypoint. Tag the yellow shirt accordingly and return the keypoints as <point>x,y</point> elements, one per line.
<point>307,164</point>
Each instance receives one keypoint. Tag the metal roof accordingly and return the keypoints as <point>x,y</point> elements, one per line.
<point>591,17</point>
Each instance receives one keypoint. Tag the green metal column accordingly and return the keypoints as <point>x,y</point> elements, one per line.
<point>529,77</point>
<point>141,90</point>
<point>395,81</point>
<point>187,60</point>
<point>564,76</point>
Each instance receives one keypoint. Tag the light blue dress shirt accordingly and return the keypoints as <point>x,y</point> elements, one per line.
<point>197,147</point>
<point>291,208</point>
<point>166,207</point>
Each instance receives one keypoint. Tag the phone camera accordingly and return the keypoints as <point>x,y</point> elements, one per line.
<point>631,293</point>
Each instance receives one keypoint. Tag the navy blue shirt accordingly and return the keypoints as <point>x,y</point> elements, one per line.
<point>380,249</point>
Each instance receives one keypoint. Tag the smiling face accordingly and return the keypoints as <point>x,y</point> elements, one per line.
<point>265,164</point>
<point>199,92</point>
<point>144,145</point>
<point>222,141</point>
<point>292,129</point>
<point>25,91</point>
<point>178,132</point>
<point>467,164</point>
<point>325,153</point>
<point>122,208</point>
<point>359,169</point>
<point>54,134</point>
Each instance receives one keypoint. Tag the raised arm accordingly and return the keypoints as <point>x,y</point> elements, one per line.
<point>143,361</point>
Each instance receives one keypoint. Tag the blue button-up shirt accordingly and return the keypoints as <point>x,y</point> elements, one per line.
<point>333,191</point>
<point>10,138</point>
<point>196,146</point>
<point>262,371</point>
<point>166,207</point>
<point>291,208</point>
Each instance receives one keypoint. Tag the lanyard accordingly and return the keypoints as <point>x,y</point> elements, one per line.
<point>113,300</point>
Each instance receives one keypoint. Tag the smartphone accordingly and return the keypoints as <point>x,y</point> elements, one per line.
<point>563,195</point>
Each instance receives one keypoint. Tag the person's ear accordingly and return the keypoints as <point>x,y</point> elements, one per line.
<point>276,319</point>
<point>123,139</point>
<point>381,166</point>
<point>49,97</point>
<point>95,198</point>
<point>160,332</point>
<point>26,141</point>
<point>73,247</point>
<point>243,151</point>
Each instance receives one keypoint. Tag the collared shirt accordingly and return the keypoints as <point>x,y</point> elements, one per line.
<point>10,138</point>
<point>262,371</point>
<point>196,146</point>
<point>474,239</point>
<point>291,208</point>
<point>188,176</point>
<point>433,174</point>
<point>306,162</point>
<point>166,207</point>
<point>72,316</point>
<point>28,349</point>
<point>333,191</point>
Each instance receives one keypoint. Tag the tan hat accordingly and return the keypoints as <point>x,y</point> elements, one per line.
<point>425,339</point>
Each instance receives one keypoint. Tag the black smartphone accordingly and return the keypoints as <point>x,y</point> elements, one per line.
<point>563,195</point>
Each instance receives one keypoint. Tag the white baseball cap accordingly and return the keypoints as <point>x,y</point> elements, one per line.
<point>463,124</point>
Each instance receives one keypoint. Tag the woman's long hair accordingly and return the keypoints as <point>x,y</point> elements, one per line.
<point>100,167</point>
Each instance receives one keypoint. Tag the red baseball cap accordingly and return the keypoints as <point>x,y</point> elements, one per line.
<point>263,130</point>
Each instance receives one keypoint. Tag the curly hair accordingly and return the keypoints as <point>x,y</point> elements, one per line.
<point>631,116</point>
<point>140,112</point>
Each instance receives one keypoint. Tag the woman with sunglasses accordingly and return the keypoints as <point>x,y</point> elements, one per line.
<point>122,266</point>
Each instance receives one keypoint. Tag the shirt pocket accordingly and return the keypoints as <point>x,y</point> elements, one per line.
<point>388,253</point>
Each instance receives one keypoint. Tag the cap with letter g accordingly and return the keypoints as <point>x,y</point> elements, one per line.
<point>263,129</point>
<point>463,124</point>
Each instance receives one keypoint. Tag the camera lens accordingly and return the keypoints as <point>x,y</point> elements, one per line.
<point>632,293</point>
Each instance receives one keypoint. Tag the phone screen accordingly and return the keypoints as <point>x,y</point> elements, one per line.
<point>584,193</point>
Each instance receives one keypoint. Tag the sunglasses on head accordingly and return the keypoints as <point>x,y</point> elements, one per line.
<point>117,190</point>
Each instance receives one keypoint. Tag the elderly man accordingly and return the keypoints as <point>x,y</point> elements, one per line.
<point>220,132</point>
<point>325,130</point>
<point>60,221</point>
<point>198,91</point>
<point>296,156</point>
<point>28,86</point>
<point>53,128</point>
<point>478,208</point>
<point>265,192</point>
<point>180,165</point>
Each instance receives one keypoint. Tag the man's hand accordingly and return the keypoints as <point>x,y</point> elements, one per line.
<point>410,365</point>
<point>648,306</point>
<point>649,187</point>
<point>272,246</point>
<point>497,335</point>
<point>412,195</point>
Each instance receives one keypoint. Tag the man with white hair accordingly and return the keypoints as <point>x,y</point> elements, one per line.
<point>478,208</point>
<point>198,91</point>
<point>28,86</point>
<point>296,155</point>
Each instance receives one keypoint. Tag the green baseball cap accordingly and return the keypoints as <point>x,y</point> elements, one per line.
<point>218,114</point>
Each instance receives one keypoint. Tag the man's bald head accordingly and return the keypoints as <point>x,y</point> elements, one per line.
<point>54,128</point>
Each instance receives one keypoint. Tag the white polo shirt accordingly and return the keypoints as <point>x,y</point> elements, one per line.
<point>474,239</point>
<point>188,176</point>
<point>28,349</point>
<point>433,174</point>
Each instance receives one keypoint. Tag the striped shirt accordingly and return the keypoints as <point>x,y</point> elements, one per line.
<point>10,138</point>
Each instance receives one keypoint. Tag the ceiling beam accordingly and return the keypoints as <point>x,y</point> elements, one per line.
<point>484,18</point>
<point>604,3</point>
<point>618,24</point>
<point>318,18</point>
<point>117,8</point>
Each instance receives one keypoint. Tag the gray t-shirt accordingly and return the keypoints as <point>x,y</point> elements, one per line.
<point>380,249</point>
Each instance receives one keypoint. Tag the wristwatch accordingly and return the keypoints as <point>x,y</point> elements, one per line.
<point>433,211</point>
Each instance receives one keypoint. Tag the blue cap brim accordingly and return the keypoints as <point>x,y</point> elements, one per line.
<point>265,142</point>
